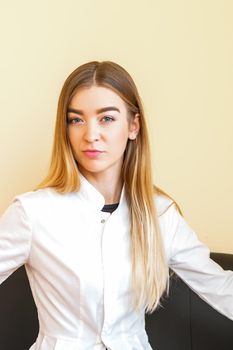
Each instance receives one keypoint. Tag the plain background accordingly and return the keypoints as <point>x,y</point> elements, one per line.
<point>180,54</point>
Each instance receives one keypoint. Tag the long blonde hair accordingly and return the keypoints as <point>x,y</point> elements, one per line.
<point>149,266</point>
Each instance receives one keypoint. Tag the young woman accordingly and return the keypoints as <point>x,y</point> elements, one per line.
<point>96,236</point>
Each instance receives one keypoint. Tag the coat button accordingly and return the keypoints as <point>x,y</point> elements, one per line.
<point>102,221</point>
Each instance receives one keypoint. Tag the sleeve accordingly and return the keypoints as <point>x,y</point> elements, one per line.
<point>15,239</point>
<point>190,259</point>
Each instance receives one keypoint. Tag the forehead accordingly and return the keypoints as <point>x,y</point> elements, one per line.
<point>96,97</point>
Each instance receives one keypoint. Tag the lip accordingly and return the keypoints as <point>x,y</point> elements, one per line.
<point>92,153</point>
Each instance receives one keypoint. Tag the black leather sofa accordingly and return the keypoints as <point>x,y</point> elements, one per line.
<point>185,322</point>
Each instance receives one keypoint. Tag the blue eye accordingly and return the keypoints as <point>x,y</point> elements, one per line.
<point>108,119</point>
<point>75,120</point>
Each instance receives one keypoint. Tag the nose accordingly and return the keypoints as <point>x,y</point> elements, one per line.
<point>91,132</point>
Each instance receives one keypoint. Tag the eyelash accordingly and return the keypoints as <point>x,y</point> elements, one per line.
<point>77,120</point>
<point>110,118</point>
<point>72,120</point>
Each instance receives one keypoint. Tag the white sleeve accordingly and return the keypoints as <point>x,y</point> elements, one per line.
<point>15,239</point>
<point>190,260</point>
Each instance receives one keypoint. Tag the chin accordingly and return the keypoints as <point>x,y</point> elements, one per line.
<point>92,169</point>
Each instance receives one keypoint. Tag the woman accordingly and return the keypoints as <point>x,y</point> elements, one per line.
<point>96,236</point>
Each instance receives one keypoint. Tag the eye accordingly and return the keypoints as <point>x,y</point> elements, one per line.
<point>107,119</point>
<point>75,120</point>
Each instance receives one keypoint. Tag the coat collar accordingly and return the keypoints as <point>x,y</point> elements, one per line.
<point>90,194</point>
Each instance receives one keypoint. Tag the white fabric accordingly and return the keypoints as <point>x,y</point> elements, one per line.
<point>78,264</point>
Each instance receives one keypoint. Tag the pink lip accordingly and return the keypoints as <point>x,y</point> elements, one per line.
<point>92,153</point>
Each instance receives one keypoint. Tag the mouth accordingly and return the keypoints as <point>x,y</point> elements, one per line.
<point>92,153</point>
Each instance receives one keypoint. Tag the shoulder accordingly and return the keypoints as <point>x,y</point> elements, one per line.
<point>38,201</point>
<point>169,219</point>
<point>163,203</point>
<point>35,196</point>
<point>168,212</point>
<point>23,207</point>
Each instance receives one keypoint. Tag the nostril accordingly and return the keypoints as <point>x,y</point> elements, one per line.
<point>92,135</point>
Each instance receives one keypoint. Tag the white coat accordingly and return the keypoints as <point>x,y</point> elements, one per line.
<point>78,264</point>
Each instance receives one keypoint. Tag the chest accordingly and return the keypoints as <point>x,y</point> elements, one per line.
<point>88,247</point>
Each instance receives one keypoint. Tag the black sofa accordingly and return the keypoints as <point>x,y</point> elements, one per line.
<point>185,322</point>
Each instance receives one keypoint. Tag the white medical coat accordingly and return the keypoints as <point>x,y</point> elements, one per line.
<point>78,263</point>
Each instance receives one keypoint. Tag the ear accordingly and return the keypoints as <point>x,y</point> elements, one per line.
<point>134,127</point>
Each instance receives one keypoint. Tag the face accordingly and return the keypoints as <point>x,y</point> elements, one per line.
<point>99,127</point>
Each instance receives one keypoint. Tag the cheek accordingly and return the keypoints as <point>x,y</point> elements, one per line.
<point>119,135</point>
<point>70,138</point>
<point>123,139</point>
<point>73,139</point>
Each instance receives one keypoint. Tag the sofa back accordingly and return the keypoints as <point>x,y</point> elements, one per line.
<point>186,322</point>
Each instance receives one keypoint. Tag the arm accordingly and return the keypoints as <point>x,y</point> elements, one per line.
<point>15,239</point>
<point>189,258</point>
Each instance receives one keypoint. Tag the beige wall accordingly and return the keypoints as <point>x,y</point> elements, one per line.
<point>180,54</point>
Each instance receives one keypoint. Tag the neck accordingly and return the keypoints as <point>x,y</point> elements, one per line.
<point>108,185</point>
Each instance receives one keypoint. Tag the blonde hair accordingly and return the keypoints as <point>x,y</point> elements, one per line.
<point>149,267</point>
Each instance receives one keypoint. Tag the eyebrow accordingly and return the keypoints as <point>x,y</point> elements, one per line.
<point>98,111</point>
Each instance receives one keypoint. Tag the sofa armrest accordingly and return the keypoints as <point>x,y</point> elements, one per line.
<point>18,314</point>
<point>186,322</point>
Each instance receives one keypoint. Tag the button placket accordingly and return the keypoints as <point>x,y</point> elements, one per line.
<point>104,217</point>
<point>106,330</point>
